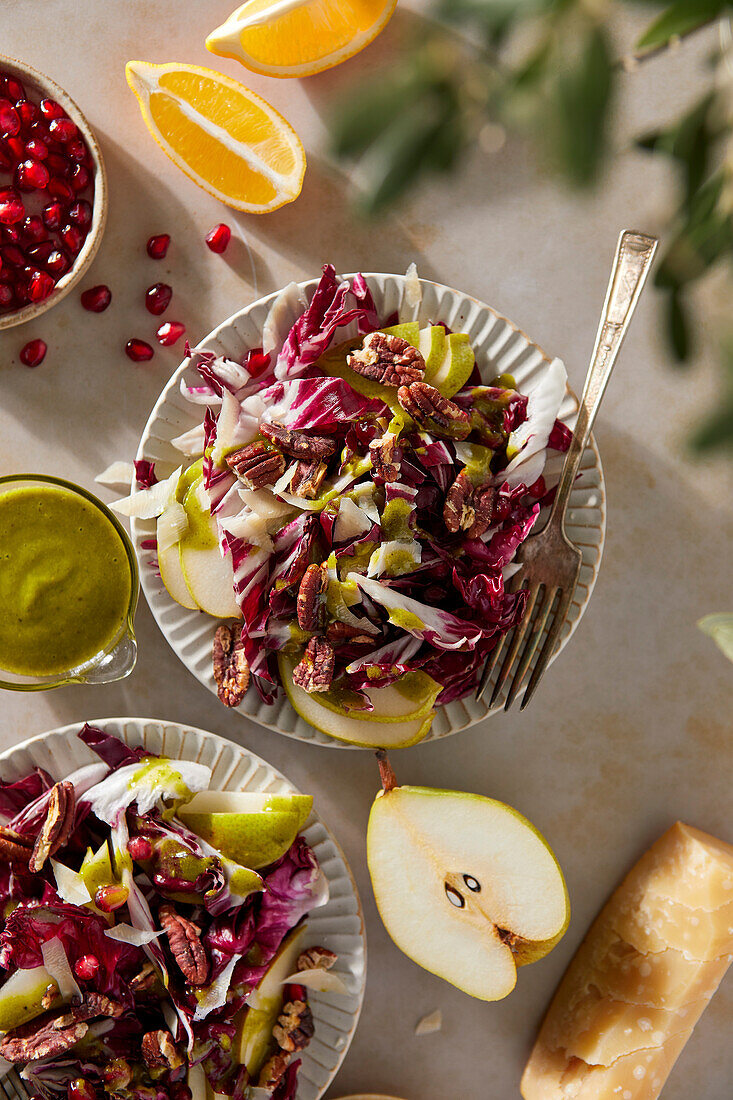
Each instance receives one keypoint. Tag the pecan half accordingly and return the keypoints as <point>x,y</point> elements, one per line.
<point>185,944</point>
<point>315,671</point>
<point>256,465</point>
<point>467,508</point>
<point>294,1028</point>
<point>97,1004</point>
<point>57,827</point>
<point>273,1071</point>
<point>159,1051</point>
<point>307,479</point>
<point>316,958</point>
<point>431,410</point>
<point>14,847</point>
<point>386,458</point>
<point>387,359</point>
<point>146,981</point>
<point>340,633</point>
<point>36,1039</point>
<point>231,670</point>
<point>299,444</point>
<point>312,586</point>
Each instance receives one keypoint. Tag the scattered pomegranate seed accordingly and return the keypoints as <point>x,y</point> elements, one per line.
<point>158,246</point>
<point>76,149</point>
<point>60,189</point>
<point>14,88</point>
<point>36,148</point>
<point>58,165</point>
<point>73,237</point>
<point>86,967</point>
<point>12,256</point>
<point>80,178</point>
<point>97,298</point>
<point>34,352</point>
<point>158,298</point>
<point>58,263</point>
<point>219,238</point>
<point>295,993</point>
<point>109,898</point>
<point>39,253</point>
<point>40,285</point>
<point>16,146</point>
<point>50,109</point>
<point>140,848</point>
<point>9,119</point>
<point>39,129</point>
<point>33,229</point>
<point>27,112</point>
<point>63,130</point>
<point>11,206</point>
<point>138,351</point>
<point>169,333</point>
<point>53,215</point>
<point>31,175</point>
<point>80,213</point>
<point>257,362</point>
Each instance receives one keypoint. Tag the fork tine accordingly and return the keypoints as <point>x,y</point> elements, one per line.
<point>544,606</point>
<point>13,1082</point>
<point>489,666</point>
<point>517,638</point>
<point>549,646</point>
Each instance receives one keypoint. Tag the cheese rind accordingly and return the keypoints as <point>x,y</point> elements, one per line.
<point>642,977</point>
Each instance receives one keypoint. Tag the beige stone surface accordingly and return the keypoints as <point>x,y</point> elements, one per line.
<point>631,730</point>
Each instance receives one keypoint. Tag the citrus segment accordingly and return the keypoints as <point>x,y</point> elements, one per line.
<point>288,38</point>
<point>225,138</point>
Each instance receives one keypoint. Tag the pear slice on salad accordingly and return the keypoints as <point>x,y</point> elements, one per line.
<point>171,574</point>
<point>22,995</point>
<point>253,840</point>
<point>391,729</point>
<point>208,575</point>
<point>450,372</point>
<point>251,802</point>
<point>254,1033</point>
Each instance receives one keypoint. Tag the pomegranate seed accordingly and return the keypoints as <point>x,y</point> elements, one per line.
<point>257,362</point>
<point>31,175</point>
<point>170,332</point>
<point>39,253</point>
<point>50,109</point>
<point>53,215</point>
<point>86,967</point>
<point>140,848</point>
<point>9,119</point>
<point>27,112</point>
<point>73,237</point>
<point>138,351</point>
<point>7,159</point>
<point>109,898</point>
<point>36,148</point>
<point>39,129</point>
<point>80,1089</point>
<point>219,238</point>
<point>158,246</point>
<point>33,229</point>
<point>14,89</point>
<point>63,130</point>
<point>34,352</point>
<point>76,149</point>
<point>80,213</point>
<point>16,145</point>
<point>10,234</point>
<point>60,189</point>
<point>158,298</point>
<point>295,993</point>
<point>12,256</point>
<point>97,298</point>
<point>58,165</point>
<point>6,295</point>
<point>40,286</point>
<point>502,508</point>
<point>58,263</point>
<point>11,206</point>
<point>80,178</point>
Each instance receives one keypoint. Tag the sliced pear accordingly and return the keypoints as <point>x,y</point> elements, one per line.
<point>453,370</point>
<point>407,330</point>
<point>171,574</point>
<point>431,343</point>
<point>21,996</point>
<point>465,886</point>
<point>208,575</point>
<point>253,840</point>
<point>251,802</point>
<point>254,1033</point>
<point>96,870</point>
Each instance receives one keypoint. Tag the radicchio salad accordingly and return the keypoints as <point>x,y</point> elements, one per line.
<point>365,492</point>
<point>133,953</point>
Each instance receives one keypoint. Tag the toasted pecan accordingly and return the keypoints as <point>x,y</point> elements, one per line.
<point>231,670</point>
<point>387,359</point>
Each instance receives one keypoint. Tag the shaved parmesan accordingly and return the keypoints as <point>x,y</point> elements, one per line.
<point>118,475</point>
<point>171,525</point>
<point>321,981</point>
<point>430,1024</point>
<point>413,288</point>
<point>70,885</point>
<point>57,964</point>
<point>136,937</point>
<point>149,503</point>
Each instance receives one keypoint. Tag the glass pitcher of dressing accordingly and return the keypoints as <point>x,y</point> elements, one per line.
<point>68,587</point>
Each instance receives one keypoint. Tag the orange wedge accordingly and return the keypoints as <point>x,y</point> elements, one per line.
<point>228,140</point>
<point>299,37</point>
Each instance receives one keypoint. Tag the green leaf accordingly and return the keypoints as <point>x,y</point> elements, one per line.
<point>716,432</point>
<point>678,329</point>
<point>582,99</point>
<point>719,627</point>
<point>690,142</point>
<point>680,18</point>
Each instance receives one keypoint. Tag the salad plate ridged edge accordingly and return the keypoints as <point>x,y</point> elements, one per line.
<point>338,925</point>
<point>500,347</point>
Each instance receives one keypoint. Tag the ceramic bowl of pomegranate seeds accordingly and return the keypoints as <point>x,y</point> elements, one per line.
<point>53,193</point>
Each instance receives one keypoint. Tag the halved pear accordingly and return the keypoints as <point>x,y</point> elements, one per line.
<point>453,369</point>
<point>254,1033</point>
<point>208,575</point>
<point>251,802</point>
<point>252,839</point>
<point>21,996</point>
<point>465,886</point>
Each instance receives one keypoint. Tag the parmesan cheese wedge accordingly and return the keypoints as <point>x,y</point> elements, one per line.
<point>642,977</point>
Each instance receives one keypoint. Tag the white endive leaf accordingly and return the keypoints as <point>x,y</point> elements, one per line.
<point>149,503</point>
<point>527,443</point>
<point>215,995</point>
<point>137,937</point>
<point>145,783</point>
<point>57,964</point>
<point>118,475</point>
<point>70,885</point>
<point>321,981</point>
<point>191,443</point>
<point>351,521</point>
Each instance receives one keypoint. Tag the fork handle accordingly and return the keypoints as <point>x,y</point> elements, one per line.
<point>633,259</point>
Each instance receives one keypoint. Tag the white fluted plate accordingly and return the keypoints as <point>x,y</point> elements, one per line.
<point>500,348</point>
<point>338,925</point>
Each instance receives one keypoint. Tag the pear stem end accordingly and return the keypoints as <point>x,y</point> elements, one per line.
<point>386,772</point>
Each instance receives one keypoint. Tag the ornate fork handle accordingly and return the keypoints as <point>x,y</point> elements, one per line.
<point>634,255</point>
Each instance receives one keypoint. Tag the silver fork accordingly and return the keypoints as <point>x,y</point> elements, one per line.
<point>12,1088</point>
<point>550,563</point>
